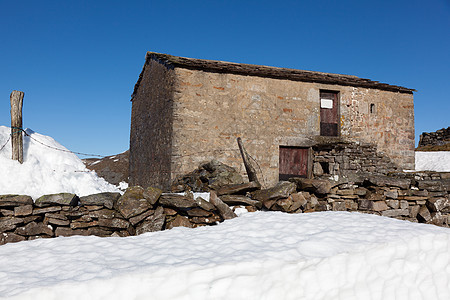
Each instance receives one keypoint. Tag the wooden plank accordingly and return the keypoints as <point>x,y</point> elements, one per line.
<point>16,99</point>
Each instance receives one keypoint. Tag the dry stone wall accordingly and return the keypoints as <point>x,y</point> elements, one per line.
<point>437,138</point>
<point>347,160</point>
<point>417,197</point>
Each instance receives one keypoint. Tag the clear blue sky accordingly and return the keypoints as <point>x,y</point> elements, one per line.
<point>78,61</point>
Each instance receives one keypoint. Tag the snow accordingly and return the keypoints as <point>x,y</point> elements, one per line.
<point>433,161</point>
<point>261,255</point>
<point>46,170</point>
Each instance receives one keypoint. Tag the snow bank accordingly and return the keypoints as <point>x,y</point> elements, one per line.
<point>45,170</point>
<point>262,255</point>
<point>438,161</point>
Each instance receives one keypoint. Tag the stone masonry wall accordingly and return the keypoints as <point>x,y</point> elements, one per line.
<point>343,161</point>
<point>151,127</point>
<point>212,109</point>
<point>437,138</point>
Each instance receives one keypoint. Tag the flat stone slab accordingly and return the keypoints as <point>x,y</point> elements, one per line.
<point>239,188</point>
<point>240,200</point>
<point>66,199</point>
<point>177,201</point>
<point>106,199</point>
<point>15,200</point>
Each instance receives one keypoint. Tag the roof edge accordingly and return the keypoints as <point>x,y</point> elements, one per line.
<point>267,71</point>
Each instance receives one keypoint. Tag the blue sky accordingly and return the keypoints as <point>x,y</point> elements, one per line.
<point>78,61</point>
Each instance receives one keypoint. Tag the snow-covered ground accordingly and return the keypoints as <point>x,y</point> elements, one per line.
<point>433,161</point>
<point>262,255</point>
<point>45,170</point>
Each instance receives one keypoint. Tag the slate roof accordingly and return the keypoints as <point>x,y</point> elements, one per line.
<point>270,72</point>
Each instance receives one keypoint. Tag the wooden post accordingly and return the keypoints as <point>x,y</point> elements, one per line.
<point>16,125</point>
<point>251,173</point>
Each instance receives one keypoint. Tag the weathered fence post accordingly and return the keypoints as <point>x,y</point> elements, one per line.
<point>16,125</point>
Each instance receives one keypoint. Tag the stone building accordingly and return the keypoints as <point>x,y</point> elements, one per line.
<point>186,111</point>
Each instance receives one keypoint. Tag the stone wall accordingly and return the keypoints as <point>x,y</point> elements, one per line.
<point>343,161</point>
<point>212,109</point>
<point>106,214</point>
<point>437,138</point>
<point>417,197</point>
<point>415,200</point>
<point>151,127</point>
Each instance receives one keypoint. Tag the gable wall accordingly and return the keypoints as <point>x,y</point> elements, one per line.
<point>151,127</point>
<point>211,110</point>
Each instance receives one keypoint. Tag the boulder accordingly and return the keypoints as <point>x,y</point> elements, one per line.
<point>106,199</point>
<point>57,199</point>
<point>283,189</point>
<point>15,200</point>
<point>114,223</point>
<point>152,223</point>
<point>132,202</point>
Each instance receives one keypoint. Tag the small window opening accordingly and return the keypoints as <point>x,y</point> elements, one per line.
<point>325,167</point>
<point>372,108</point>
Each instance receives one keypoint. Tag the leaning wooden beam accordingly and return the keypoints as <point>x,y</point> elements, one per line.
<point>16,125</point>
<point>251,173</point>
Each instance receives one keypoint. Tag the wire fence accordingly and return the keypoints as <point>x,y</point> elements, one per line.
<point>18,130</point>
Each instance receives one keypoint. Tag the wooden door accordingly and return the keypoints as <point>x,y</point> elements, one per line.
<point>293,162</point>
<point>329,113</point>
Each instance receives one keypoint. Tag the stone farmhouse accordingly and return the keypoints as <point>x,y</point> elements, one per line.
<point>292,122</point>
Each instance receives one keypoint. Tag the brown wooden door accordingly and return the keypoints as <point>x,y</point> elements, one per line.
<point>293,162</point>
<point>329,113</point>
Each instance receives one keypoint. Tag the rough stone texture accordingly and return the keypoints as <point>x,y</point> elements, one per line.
<point>212,175</point>
<point>132,202</point>
<point>15,200</point>
<point>437,138</point>
<point>105,199</point>
<point>283,189</point>
<point>152,126</point>
<point>224,210</point>
<point>58,199</point>
<point>182,117</point>
<point>312,185</point>
<point>152,194</point>
<point>177,201</point>
<point>179,221</point>
<point>152,223</point>
<point>239,188</point>
<point>34,228</point>
<point>240,200</point>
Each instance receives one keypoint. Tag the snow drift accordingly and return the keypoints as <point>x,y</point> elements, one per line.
<point>262,255</point>
<point>45,170</point>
